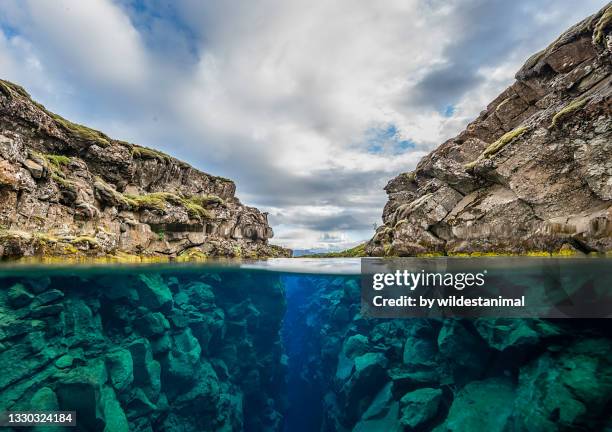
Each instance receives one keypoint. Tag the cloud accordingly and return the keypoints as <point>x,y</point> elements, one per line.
<point>311,106</point>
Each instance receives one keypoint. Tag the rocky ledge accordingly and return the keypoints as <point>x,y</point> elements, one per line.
<point>532,173</point>
<point>68,190</point>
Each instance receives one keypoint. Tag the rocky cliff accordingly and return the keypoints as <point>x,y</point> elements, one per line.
<point>532,173</point>
<point>66,189</point>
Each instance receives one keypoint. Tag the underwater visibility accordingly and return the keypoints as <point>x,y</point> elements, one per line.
<point>281,345</point>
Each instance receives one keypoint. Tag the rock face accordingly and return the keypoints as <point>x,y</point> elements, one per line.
<point>532,173</point>
<point>448,375</point>
<point>66,189</point>
<point>144,351</point>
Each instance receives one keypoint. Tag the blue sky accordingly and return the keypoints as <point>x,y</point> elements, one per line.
<point>310,106</point>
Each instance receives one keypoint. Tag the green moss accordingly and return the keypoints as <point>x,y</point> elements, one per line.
<point>63,182</point>
<point>124,201</point>
<point>153,201</point>
<point>140,152</point>
<point>57,160</point>
<point>496,146</point>
<point>8,87</point>
<point>566,111</point>
<point>158,201</point>
<point>195,210</point>
<point>74,129</point>
<point>205,200</point>
<point>79,131</point>
<point>604,21</point>
<point>161,235</point>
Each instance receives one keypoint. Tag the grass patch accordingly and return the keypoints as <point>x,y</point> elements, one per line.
<point>567,111</point>
<point>84,240</point>
<point>602,24</point>
<point>496,146</point>
<point>7,87</point>
<point>355,252</point>
<point>81,132</point>
<point>63,182</point>
<point>206,200</point>
<point>140,152</point>
<point>76,130</point>
<point>57,160</point>
<point>158,201</point>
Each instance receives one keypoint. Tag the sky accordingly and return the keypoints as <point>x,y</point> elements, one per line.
<point>310,106</point>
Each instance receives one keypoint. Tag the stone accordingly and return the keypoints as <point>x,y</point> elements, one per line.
<point>121,368</point>
<point>380,405</point>
<point>504,333</point>
<point>114,417</point>
<point>482,405</point>
<point>154,293</point>
<point>147,371</point>
<point>134,198</point>
<point>64,361</point>
<point>49,296</point>
<point>35,169</point>
<point>568,390</point>
<point>44,400</point>
<point>153,324</point>
<point>18,296</point>
<point>530,174</point>
<point>419,406</point>
<point>183,359</point>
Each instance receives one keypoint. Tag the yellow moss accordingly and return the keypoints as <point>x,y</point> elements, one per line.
<point>604,21</point>
<point>90,241</point>
<point>193,254</point>
<point>410,176</point>
<point>429,255</point>
<point>567,111</point>
<point>496,146</point>
<point>503,140</point>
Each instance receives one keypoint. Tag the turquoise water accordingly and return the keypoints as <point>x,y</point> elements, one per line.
<point>282,346</point>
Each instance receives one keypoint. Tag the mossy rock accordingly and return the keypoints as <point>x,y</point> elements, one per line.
<point>567,111</point>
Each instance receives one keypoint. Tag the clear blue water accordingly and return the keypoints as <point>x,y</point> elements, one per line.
<point>281,346</point>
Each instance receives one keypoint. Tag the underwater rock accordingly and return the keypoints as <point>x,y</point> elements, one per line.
<point>419,406</point>
<point>481,405</point>
<point>569,390</point>
<point>504,333</point>
<point>120,368</point>
<point>18,296</point>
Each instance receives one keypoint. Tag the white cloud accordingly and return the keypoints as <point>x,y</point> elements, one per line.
<point>281,96</point>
